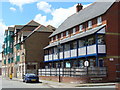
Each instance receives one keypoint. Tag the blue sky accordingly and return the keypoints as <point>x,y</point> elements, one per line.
<point>29,11</point>
<point>23,11</point>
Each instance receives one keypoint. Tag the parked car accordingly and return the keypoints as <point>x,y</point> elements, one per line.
<point>30,78</point>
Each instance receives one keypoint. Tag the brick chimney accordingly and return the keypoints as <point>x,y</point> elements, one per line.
<point>79,7</point>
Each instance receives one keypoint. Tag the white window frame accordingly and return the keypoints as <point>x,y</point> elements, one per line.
<point>67,33</point>
<point>61,35</point>
<point>80,28</point>
<point>56,37</point>
<point>74,30</point>
<point>99,20</point>
<point>89,24</point>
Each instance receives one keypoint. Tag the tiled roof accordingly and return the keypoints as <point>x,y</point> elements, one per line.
<point>77,36</point>
<point>90,12</point>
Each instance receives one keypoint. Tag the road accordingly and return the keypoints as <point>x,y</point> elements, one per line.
<point>7,83</point>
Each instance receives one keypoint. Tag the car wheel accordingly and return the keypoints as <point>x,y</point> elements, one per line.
<point>26,81</point>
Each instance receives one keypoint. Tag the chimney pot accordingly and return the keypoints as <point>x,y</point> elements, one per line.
<point>79,7</point>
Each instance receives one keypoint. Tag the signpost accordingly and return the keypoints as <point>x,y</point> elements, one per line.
<point>86,64</point>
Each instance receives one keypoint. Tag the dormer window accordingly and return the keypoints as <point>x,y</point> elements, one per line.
<point>67,33</point>
<point>56,37</point>
<point>74,30</point>
<point>61,35</point>
<point>89,24</point>
<point>99,20</point>
<point>80,28</point>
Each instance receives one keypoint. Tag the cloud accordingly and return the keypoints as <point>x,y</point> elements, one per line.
<point>40,18</point>
<point>44,6</point>
<point>2,30</point>
<point>58,15</point>
<point>20,3</point>
<point>12,9</point>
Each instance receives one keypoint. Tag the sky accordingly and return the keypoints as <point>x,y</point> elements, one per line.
<point>47,12</point>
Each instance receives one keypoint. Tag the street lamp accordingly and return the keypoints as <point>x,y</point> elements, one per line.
<point>58,50</point>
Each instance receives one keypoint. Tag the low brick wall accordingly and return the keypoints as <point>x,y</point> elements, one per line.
<point>73,79</point>
<point>118,86</point>
<point>65,79</point>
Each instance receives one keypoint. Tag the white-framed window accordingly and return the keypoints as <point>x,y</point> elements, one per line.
<point>61,35</point>
<point>56,37</point>
<point>80,28</point>
<point>99,20</point>
<point>89,24</point>
<point>74,30</point>
<point>67,33</point>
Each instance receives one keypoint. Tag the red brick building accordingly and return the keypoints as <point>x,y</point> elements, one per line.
<point>91,34</point>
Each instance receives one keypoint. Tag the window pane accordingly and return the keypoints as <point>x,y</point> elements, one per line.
<point>82,43</point>
<point>73,45</point>
<point>99,20</point>
<point>67,47</point>
<point>91,41</point>
<point>89,24</point>
<point>80,27</point>
<point>101,39</point>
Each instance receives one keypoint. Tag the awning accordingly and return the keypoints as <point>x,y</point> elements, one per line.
<point>77,36</point>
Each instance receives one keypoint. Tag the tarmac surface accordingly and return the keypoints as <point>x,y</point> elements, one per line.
<point>17,83</point>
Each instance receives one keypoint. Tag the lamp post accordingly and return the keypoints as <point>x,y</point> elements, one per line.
<point>58,50</point>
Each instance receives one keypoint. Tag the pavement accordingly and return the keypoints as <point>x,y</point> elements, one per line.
<point>54,84</point>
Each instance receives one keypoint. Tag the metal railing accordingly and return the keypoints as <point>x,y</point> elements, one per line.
<point>74,72</point>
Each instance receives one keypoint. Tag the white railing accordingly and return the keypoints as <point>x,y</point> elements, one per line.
<point>82,51</point>
<point>101,48</point>
<point>55,56</point>
<point>50,57</point>
<point>61,55</point>
<point>46,57</point>
<point>74,53</point>
<point>91,49</point>
<point>67,54</point>
<point>74,72</point>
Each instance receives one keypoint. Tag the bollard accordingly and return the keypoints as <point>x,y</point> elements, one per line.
<point>10,76</point>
